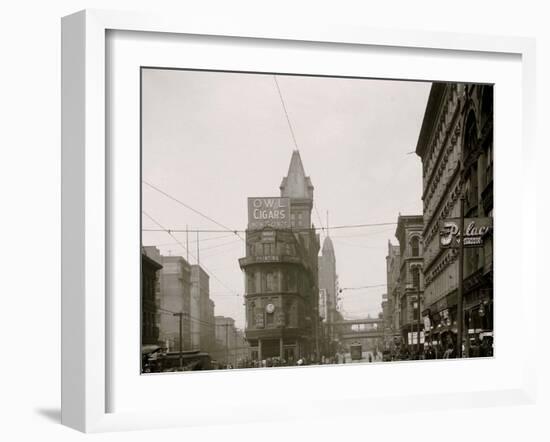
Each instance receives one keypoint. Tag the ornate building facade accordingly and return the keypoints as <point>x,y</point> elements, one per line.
<point>149,311</point>
<point>456,149</point>
<point>281,273</point>
<point>393,270</point>
<point>410,283</point>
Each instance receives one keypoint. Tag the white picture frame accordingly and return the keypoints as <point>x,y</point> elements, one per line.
<point>86,203</point>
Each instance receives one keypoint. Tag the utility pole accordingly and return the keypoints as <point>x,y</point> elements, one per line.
<point>316,325</point>
<point>419,318</point>
<point>187,241</point>
<point>226,344</point>
<point>199,289</point>
<point>180,315</point>
<point>459,306</point>
<point>198,250</point>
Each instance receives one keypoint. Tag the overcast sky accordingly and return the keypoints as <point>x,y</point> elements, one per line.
<point>212,139</point>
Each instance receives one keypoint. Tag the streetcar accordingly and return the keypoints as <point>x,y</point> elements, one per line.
<point>191,361</point>
<point>356,352</point>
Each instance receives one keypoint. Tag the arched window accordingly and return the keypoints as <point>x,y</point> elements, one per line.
<point>470,173</point>
<point>415,246</point>
<point>470,135</point>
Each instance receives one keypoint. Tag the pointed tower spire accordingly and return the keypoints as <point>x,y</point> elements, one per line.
<point>296,184</point>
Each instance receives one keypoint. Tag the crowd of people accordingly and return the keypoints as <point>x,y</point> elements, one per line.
<point>446,350</point>
<point>157,360</point>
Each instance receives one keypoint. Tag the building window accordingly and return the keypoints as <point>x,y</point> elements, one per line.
<point>287,313</point>
<point>472,189</point>
<point>292,280</point>
<point>415,246</point>
<point>416,278</point>
<point>251,283</point>
<point>269,249</point>
<point>284,280</point>
<point>269,319</point>
<point>271,282</point>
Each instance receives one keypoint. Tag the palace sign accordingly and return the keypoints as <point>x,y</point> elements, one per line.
<point>268,212</point>
<point>476,230</point>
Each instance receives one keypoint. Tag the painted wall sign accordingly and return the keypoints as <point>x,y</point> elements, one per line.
<point>268,212</point>
<point>476,230</point>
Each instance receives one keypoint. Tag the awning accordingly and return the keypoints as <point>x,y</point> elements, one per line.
<point>149,348</point>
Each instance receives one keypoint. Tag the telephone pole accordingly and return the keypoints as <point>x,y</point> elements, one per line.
<point>187,241</point>
<point>180,315</point>
<point>226,344</point>
<point>459,306</point>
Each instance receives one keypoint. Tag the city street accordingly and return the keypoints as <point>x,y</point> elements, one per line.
<point>387,257</point>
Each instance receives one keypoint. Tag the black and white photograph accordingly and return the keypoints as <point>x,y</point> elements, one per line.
<point>294,220</point>
<point>275,221</point>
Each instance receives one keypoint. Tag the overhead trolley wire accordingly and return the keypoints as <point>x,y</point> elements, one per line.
<point>187,206</point>
<point>286,112</point>
<point>185,248</point>
<point>293,229</point>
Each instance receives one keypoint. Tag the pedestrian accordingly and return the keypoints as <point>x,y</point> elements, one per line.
<point>449,353</point>
<point>475,350</point>
<point>440,351</point>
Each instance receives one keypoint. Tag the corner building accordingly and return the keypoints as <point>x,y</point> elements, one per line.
<point>281,277</point>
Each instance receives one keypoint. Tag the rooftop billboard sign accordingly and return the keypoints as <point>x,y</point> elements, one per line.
<point>268,212</point>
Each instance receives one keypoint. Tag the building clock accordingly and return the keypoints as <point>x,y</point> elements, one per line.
<point>269,308</point>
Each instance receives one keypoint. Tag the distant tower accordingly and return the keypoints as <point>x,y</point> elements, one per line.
<point>328,281</point>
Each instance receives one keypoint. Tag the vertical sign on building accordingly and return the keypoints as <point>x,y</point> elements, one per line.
<point>475,232</point>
